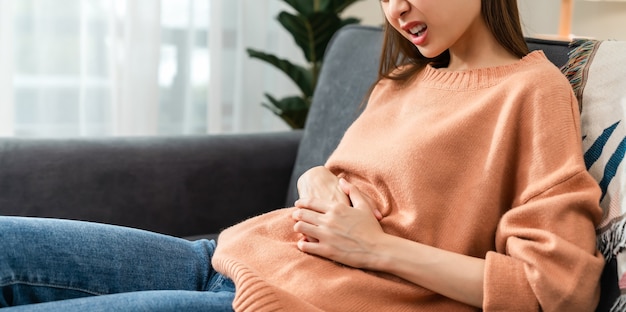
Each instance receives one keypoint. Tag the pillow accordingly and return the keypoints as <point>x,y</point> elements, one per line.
<point>597,72</point>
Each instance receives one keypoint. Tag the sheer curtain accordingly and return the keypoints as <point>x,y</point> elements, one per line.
<point>6,70</point>
<point>139,67</point>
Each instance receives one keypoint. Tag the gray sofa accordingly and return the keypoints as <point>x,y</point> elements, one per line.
<point>190,186</point>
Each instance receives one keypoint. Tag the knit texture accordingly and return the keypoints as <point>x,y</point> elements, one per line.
<point>484,162</point>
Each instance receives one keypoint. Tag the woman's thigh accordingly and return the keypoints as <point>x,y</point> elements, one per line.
<point>50,259</point>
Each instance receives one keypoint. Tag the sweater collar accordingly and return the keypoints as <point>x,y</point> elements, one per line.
<point>474,79</point>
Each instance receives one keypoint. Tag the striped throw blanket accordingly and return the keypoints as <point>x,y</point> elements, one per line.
<point>597,72</point>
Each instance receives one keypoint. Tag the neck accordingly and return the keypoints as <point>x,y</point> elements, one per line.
<point>478,48</point>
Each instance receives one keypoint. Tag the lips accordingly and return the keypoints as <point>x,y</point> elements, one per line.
<point>414,28</point>
<point>417,31</point>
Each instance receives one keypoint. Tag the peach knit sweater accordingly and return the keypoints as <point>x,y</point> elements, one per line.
<point>485,163</point>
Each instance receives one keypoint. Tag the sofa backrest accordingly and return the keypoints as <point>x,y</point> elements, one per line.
<point>350,68</point>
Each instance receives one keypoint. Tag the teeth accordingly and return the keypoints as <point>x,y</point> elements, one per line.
<point>417,29</point>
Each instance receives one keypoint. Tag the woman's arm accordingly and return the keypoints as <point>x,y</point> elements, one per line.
<point>542,264</point>
<point>453,275</point>
<point>353,236</point>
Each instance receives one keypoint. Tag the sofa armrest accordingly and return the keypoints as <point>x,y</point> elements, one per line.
<point>180,186</point>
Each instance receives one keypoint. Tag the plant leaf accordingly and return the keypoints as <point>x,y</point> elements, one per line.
<point>304,7</point>
<point>293,109</point>
<point>273,104</point>
<point>312,28</point>
<point>308,7</point>
<point>350,20</point>
<point>301,76</point>
<point>311,33</point>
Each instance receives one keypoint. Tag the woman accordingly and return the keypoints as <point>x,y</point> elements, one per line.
<point>461,187</point>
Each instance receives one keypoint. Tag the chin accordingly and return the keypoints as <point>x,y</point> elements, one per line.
<point>430,53</point>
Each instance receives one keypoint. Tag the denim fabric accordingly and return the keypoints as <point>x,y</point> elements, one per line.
<point>64,265</point>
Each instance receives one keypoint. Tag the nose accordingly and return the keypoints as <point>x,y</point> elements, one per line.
<point>397,8</point>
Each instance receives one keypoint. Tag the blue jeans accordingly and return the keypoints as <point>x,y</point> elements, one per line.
<point>61,265</point>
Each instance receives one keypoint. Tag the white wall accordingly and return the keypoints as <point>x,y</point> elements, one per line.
<point>367,10</point>
<point>602,20</point>
<point>597,19</point>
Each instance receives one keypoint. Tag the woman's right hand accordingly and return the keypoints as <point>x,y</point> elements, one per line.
<point>319,182</point>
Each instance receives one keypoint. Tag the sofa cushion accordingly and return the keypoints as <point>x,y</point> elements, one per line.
<point>556,51</point>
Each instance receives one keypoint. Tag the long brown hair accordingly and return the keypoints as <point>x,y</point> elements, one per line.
<point>502,19</point>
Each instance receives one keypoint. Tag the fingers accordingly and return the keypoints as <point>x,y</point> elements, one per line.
<point>310,239</point>
<point>357,198</point>
<point>313,204</point>
<point>305,215</point>
<point>310,247</point>
<point>309,231</point>
<point>306,225</point>
<point>345,186</point>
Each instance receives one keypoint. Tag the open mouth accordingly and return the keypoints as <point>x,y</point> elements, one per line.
<point>418,30</point>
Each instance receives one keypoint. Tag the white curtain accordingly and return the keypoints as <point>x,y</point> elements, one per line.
<point>139,67</point>
<point>6,70</point>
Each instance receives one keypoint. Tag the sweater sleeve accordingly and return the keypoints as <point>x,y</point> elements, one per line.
<point>546,257</point>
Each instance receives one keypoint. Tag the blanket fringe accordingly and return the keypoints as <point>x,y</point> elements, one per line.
<point>576,67</point>
<point>612,238</point>
<point>619,305</point>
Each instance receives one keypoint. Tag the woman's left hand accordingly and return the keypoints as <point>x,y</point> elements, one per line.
<point>337,231</point>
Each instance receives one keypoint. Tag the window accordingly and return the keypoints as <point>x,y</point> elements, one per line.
<point>136,67</point>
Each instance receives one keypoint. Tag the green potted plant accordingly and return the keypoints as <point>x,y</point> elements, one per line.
<point>312,28</point>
